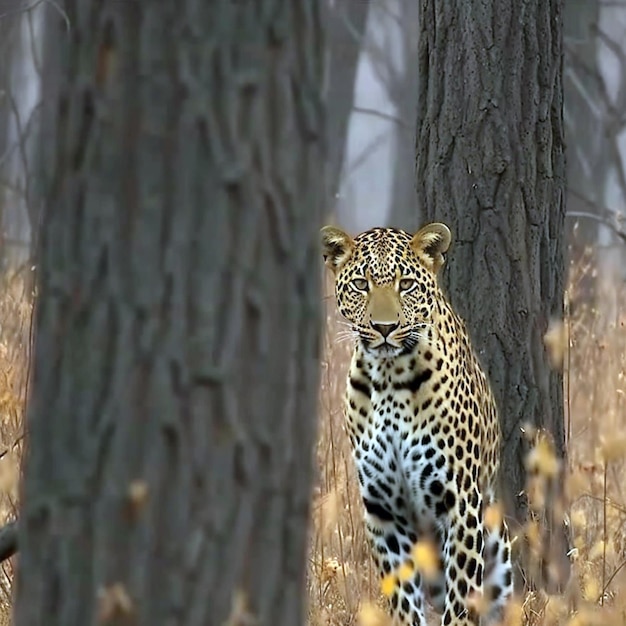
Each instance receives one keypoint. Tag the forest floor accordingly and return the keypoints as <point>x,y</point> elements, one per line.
<point>343,587</point>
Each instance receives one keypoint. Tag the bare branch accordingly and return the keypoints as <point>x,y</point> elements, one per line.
<point>383,6</point>
<point>31,7</point>
<point>19,10</point>
<point>17,440</point>
<point>355,32</point>
<point>610,580</point>
<point>371,146</point>
<point>583,90</point>
<point>577,62</point>
<point>613,219</point>
<point>617,50</point>
<point>385,116</point>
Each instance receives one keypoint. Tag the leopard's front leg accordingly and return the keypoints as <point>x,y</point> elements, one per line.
<point>391,541</point>
<point>464,561</point>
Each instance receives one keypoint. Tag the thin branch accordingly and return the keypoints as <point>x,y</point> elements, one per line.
<point>12,446</point>
<point>609,501</point>
<point>597,218</point>
<point>582,88</point>
<point>381,62</point>
<point>18,243</point>
<point>383,6</point>
<point>23,150</point>
<point>610,580</point>
<point>19,10</point>
<point>385,116</point>
<point>577,62</point>
<point>613,219</point>
<point>618,52</point>
<point>34,5</point>
<point>355,33</point>
<point>608,213</point>
<point>372,145</point>
<point>618,159</point>
<point>61,11</point>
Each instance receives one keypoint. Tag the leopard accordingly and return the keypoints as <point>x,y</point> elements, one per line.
<point>423,427</point>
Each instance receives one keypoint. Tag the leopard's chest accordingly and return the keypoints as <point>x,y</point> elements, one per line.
<point>400,465</point>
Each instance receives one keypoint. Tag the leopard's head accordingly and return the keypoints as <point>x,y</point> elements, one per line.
<point>386,282</point>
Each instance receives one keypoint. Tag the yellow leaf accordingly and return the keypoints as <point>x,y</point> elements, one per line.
<point>388,585</point>
<point>426,559</point>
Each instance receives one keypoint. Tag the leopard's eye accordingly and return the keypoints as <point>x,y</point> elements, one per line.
<point>360,284</point>
<point>406,283</point>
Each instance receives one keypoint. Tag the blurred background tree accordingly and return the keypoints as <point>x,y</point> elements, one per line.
<point>175,372</point>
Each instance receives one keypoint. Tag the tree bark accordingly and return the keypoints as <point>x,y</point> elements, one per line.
<point>490,163</point>
<point>173,409</point>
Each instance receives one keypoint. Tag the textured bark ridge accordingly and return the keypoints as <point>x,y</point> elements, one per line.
<point>490,163</point>
<point>175,376</point>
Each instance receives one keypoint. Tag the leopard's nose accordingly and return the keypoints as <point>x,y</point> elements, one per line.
<point>384,329</point>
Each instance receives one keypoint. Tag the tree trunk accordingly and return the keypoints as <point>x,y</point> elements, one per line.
<point>588,148</point>
<point>403,212</point>
<point>490,163</point>
<point>13,135</point>
<point>175,377</point>
<point>346,28</point>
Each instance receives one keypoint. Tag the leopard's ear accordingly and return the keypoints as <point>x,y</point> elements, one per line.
<point>430,243</point>
<point>337,247</point>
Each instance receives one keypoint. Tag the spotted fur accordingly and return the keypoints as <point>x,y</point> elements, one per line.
<point>422,423</point>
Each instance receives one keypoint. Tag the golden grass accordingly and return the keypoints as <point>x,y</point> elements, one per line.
<point>342,585</point>
<point>590,344</point>
<point>15,325</point>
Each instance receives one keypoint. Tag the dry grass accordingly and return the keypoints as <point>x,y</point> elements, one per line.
<point>343,587</point>
<point>591,343</point>
<point>15,320</point>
